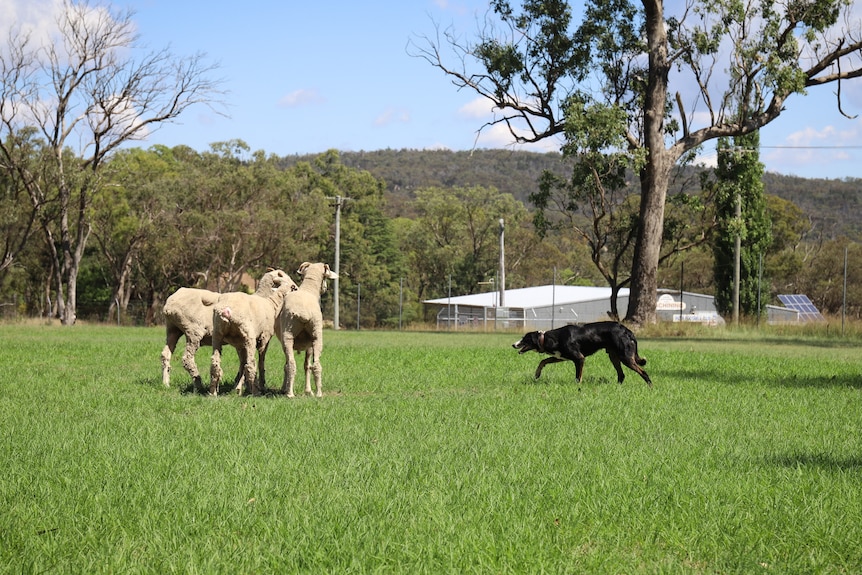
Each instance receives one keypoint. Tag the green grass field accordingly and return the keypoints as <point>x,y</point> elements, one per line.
<point>432,453</point>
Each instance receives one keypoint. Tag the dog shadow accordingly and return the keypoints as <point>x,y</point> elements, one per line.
<point>788,380</point>
<point>561,380</point>
<point>825,461</point>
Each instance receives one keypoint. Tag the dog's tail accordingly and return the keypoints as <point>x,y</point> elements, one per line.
<point>633,348</point>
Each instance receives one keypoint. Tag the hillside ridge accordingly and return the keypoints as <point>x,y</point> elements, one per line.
<point>833,205</point>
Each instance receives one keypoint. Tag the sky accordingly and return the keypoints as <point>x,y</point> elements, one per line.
<point>305,77</point>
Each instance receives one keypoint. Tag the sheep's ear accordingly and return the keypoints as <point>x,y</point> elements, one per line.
<point>270,270</point>
<point>303,267</point>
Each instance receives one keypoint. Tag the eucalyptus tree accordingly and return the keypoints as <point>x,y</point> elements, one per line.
<point>211,217</point>
<point>86,89</point>
<point>456,237</point>
<point>371,264</point>
<point>710,69</point>
<point>18,217</point>
<point>132,214</point>
<point>792,251</point>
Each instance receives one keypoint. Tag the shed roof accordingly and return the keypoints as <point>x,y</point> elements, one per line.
<point>533,297</point>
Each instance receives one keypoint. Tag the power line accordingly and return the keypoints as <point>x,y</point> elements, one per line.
<point>811,147</point>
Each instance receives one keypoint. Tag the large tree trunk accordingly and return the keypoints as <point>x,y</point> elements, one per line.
<point>642,294</point>
<point>654,176</point>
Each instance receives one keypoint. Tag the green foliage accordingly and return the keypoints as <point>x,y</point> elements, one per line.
<point>455,237</point>
<point>739,179</point>
<point>157,202</point>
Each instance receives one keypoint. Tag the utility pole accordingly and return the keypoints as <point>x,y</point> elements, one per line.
<point>339,201</point>
<point>737,249</point>
<point>502,265</point>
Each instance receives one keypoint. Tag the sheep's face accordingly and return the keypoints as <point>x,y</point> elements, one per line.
<point>321,270</point>
<point>277,280</point>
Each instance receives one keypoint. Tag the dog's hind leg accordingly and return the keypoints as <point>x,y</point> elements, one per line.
<point>618,366</point>
<point>545,362</point>
<point>632,364</point>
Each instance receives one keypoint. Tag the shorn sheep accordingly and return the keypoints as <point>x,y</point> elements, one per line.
<point>247,322</point>
<point>300,326</point>
<point>189,312</point>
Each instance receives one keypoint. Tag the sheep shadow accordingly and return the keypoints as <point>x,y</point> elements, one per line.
<point>223,389</point>
<point>229,389</point>
<point>190,389</point>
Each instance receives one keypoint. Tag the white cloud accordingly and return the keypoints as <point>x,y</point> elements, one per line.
<point>34,17</point>
<point>814,149</point>
<point>499,136</point>
<point>478,108</point>
<point>481,111</point>
<point>301,97</point>
<point>392,116</point>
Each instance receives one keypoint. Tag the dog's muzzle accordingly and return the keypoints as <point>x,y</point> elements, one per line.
<point>522,346</point>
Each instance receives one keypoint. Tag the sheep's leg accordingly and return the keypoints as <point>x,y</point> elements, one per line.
<point>251,368</point>
<point>262,346</point>
<point>289,365</point>
<point>172,336</point>
<point>239,378</point>
<point>167,352</point>
<point>192,346</point>
<point>215,367</point>
<point>306,367</point>
<point>240,375</point>
<point>316,367</point>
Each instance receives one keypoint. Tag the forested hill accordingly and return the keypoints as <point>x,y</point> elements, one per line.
<point>835,205</point>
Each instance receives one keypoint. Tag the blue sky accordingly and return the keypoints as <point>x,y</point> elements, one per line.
<point>304,77</point>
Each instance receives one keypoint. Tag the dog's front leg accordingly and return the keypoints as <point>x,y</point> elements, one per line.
<point>579,367</point>
<point>545,362</point>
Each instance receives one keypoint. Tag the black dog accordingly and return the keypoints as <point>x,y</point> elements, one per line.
<point>576,342</point>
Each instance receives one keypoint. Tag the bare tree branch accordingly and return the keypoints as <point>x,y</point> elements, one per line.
<point>86,93</point>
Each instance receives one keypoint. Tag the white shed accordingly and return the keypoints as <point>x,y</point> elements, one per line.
<point>540,307</point>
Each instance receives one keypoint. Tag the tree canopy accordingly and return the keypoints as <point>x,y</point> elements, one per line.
<point>708,70</point>
<point>74,98</point>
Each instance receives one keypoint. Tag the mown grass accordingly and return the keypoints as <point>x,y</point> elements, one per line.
<point>432,453</point>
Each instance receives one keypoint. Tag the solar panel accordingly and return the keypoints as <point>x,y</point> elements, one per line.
<point>805,309</point>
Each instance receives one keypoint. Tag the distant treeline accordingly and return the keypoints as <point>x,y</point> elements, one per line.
<point>833,205</point>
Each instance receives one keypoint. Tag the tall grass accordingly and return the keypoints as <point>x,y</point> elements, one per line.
<point>432,453</point>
